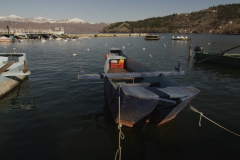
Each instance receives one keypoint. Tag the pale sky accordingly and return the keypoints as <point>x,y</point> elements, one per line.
<point>106,11</point>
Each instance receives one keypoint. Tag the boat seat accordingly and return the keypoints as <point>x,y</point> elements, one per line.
<point>137,84</point>
<point>160,93</point>
<point>6,66</point>
<point>179,92</point>
<point>3,59</point>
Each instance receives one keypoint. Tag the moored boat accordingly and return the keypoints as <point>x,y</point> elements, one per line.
<point>6,39</point>
<point>224,59</point>
<point>13,70</point>
<point>151,37</point>
<point>141,94</point>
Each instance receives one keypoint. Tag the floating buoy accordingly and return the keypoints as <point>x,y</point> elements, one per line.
<point>150,55</point>
<point>144,48</point>
<point>74,54</point>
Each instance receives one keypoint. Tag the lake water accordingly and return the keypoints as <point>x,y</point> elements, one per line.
<point>53,115</point>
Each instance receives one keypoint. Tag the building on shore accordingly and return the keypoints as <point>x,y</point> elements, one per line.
<point>56,31</point>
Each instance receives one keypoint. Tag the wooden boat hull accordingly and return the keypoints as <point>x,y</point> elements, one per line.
<point>231,60</point>
<point>12,73</point>
<point>155,99</point>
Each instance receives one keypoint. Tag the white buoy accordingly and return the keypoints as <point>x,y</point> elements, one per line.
<point>123,46</point>
<point>150,55</point>
<point>144,48</point>
<point>74,54</point>
<point>208,43</point>
<point>88,49</point>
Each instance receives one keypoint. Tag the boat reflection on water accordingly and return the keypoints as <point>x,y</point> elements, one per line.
<point>13,100</point>
<point>150,142</point>
<point>223,71</point>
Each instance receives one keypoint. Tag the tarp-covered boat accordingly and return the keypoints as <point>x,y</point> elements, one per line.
<point>145,95</point>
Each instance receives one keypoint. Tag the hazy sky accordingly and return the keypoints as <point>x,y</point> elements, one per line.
<point>104,10</point>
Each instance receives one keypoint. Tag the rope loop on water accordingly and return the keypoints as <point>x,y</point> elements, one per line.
<point>201,115</point>
<point>120,135</point>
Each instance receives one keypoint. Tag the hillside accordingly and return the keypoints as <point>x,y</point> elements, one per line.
<point>217,19</point>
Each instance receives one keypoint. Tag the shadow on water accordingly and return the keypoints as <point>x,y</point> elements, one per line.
<point>148,143</point>
<point>12,99</point>
<point>217,69</point>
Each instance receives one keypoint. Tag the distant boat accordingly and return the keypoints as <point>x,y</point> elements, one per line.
<point>223,59</point>
<point>151,37</point>
<point>43,40</point>
<point>20,36</point>
<point>58,38</point>
<point>141,94</point>
<point>181,38</point>
<point>5,39</point>
<point>11,67</point>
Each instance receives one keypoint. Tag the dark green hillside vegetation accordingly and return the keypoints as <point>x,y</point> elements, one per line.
<point>216,19</point>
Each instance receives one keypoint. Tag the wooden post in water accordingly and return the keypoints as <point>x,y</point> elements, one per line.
<point>190,51</point>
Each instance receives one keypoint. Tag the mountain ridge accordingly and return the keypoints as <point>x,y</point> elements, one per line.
<point>40,19</point>
<point>70,25</point>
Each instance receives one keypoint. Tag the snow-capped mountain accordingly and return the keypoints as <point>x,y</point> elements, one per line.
<point>12,17</point>
<point>71,20</point>
<point>41,20</point>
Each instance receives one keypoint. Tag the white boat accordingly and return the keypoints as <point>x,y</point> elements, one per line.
<point>13,70</point>
<point>5,39</point>
<point>181,38</point>
<point>43,40</point>
<point>58,38</point>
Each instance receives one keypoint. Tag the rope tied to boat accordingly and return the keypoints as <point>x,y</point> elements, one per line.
<point>201,115</point>
<point>120,135</point>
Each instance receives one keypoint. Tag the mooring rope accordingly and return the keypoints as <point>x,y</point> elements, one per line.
<point>120,135</point>
<point>201,115</point>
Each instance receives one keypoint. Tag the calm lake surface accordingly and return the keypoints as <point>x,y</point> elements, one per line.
<point>53,115</point>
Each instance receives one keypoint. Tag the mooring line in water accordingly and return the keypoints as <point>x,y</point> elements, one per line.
<point>201,115</point>
<point>121,135</point>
